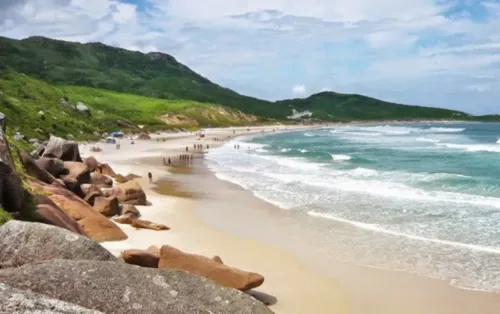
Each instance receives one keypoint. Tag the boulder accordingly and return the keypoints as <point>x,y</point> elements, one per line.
<point>140,258</point>
<point>120,179</point>
<point>145,224</point>
<point>72,185</point>
<point>171,257</point>
<point>112,287</point>
<point>29,242</point>
<point>16,301</point>
<point>144,136</point>
<point>128,193</point>
<point>78,171</point>
<point>91,196</point>
<point>53,166</point>
<point>101,229</point>
<point>131,176</point>
<point>95,225</point>
<point>91,163</point>
<point>62,149</point>
<point>53,215</point>
<point>108,206</point>
<point>154,250</point>
<point>217,259</point>
<point>33,170</point>
<point>127,209</point>
<point>99,179</point>
<point>124,219</point>
<point>106,170</point>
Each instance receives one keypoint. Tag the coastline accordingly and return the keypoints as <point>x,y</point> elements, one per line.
<point>258,239</point>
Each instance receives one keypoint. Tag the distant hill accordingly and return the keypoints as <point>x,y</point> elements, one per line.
<point>159,75</point>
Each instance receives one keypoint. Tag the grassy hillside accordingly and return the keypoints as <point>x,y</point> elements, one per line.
<point>37,109</point>
<point>159,75</point>
<point>348,107</point>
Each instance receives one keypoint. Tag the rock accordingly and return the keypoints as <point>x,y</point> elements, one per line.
<point>91,163</point>
<point>72,185</point>
<point>95,225</point>
<point>140,258</point>
<point>217,259</point>
<point>120,179</point>
<point>143,136</point>
<point>91,196</point>
<point>131,176</point>
<point>53,215</point>
<point>29,242</point>
<point>11,190</point>
<point>78,171</point>
<point>108,206</point>
<point>112,287</point>
<point>33,170</point>
<point>125,219</point>
<point>53,166</point>
<point>15,301</point>
<point>127,209</point>
<point>101,229</point>
<point>128,193</point>
<point>80,106</point>
<point>106,170</point>
<point>62,149</point>
<point>171,257</point>
<point>154,250</point>
<point>144,224</point>
<point>100,179</point>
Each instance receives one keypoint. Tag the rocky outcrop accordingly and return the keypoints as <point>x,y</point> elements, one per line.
<point>53,215</point>
<point>16,301</point>
<point>33,170</point>
<point>11,191</point>
<point>113,287</point>
<point>62,149</point>
<point>99,179</point>
<point>91,163</point>
<point>120,178</point>
<point>145,224</point>
<point>106,170</point>
<point>53,166</point>
<point>128,193</point>
<point>140,258</point>
<point>108,206</point>
<point>171,257</point>
<point>95,225</point>
<point>91,194</point>
<point>28,242</point>
<point>77,171</point>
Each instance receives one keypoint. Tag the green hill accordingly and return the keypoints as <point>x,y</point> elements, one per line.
<point>159,76</point>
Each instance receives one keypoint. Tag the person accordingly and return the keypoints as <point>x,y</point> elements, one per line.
<point>169,161</point>
<point>208,146</point>
<point>150,176</point>
<point>164,162</point>
<point>187,148</point>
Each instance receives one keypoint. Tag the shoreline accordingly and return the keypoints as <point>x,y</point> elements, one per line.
<point>338,294</point>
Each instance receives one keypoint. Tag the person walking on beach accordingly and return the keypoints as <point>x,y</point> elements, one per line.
<point>150,177</point>
<point>169,161</point>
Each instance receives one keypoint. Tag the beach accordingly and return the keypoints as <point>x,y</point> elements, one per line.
<point>212,217</point>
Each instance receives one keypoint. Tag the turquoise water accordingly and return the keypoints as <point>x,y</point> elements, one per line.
<point>423,198</point>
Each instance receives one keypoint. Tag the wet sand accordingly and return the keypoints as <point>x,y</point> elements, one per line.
<point>213,217</point>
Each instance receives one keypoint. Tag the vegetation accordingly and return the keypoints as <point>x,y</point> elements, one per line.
<point>4,216</point>
<point>172,85</point>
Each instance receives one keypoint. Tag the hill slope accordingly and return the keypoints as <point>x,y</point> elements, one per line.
<point>161,76</point>
<point>37,109</point>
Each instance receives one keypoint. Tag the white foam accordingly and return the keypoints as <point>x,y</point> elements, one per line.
<point>445,130</point>
<point>309,134</point>
<point>303,151</point>
<point>473,147</point>
<point>376,228</point>
<point>498,141</point>
<point>285,150</point>
<point>341,157</point>
<point>427,140</point>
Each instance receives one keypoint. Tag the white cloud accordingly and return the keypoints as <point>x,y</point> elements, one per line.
<point>480,88</point>
<point>299,90</point>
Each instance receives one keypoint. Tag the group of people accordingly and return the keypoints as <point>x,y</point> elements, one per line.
<point>237,146</point>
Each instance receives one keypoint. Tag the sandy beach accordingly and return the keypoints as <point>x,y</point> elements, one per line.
<point>212,217</point>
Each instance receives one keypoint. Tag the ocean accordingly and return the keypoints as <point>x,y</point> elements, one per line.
<point>420,197</point>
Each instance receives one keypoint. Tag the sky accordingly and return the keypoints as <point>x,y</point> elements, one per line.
<point>426,52</point>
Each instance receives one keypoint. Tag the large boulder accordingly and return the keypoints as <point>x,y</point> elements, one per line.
<point>95,225</point>
<point>33,170</point>
<point>106,170</point>
<point>108,206</point>
<point>91,163</point>
<point>128,193</point>
<point>28,242</point>
<point>91,194</point>
<point>53,166</point>
<point>16,301</point>
<point>77,171</point>
<point>113,287</point>
<point>140,258</point>
<point>53,215</point>
<point>62,149</point>
<point>100,179</point>
<point>171,257</point>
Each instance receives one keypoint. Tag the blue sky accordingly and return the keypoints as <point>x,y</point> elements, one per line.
<point>429,52</point>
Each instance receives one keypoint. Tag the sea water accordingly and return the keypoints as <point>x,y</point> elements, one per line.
<point>420,197</point>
